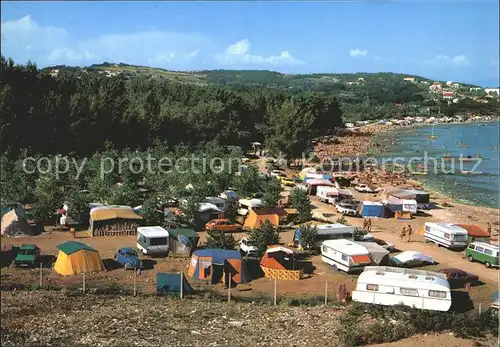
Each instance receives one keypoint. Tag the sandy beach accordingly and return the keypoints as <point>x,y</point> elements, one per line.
<point>364,142</point>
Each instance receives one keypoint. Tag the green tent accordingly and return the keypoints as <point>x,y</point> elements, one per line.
<point>182,242</point>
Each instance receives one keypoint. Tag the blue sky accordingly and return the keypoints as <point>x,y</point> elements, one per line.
<point>456,41</point>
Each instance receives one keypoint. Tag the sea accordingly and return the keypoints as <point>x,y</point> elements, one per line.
<point>474,180</point>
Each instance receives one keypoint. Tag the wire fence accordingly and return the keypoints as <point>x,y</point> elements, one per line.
<point>134,284</point>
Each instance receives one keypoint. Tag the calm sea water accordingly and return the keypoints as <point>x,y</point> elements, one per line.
<point>453,140</point>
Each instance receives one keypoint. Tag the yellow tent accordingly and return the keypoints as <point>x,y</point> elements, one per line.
<point>75,258</point>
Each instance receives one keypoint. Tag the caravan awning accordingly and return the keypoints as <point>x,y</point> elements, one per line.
<point>361,259</point>
<point>114,213</point>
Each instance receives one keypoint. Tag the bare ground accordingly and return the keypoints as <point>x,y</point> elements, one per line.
<point>43,318</point>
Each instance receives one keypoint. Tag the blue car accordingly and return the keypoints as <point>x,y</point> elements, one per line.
<point>128,258</point>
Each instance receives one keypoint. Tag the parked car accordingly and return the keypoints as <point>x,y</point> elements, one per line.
<point>458,278</point>
<point>364,188</point>
<point>128,258</point>
<point>247,248</point>
<point>346,208</point>
<point>224,225</point>
<point>386,245</point>
<point>287,181</point>
<point>28,255</point>
<point>275,173</point>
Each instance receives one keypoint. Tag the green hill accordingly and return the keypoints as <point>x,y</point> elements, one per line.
<point>245,78</point>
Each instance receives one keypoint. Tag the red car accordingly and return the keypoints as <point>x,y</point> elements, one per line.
<point>223,225</point>
<point>459,279</point>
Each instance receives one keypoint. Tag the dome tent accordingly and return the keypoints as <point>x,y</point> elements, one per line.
<point>75,258</point>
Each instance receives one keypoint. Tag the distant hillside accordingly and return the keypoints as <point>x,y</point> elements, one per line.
<point>245,78</point>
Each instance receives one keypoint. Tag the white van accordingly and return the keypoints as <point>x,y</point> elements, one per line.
<point>345,255</point>
<point>446,235</point>
<point>391,286</point>
<point>152,240</point>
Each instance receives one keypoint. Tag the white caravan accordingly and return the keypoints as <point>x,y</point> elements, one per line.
<point>345,255</point>
<point>327,194</point>
<point>391,286</point>
<point>446,235</point>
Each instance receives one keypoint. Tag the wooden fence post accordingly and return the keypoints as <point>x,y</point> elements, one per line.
<point>182,284</point>
<point>275,281</point>
<point>229,288</point>
<point>135,281</point>
<point>326,293</point>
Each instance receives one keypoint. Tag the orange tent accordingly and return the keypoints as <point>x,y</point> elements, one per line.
<point>257,216</point>
<point>278,257</point>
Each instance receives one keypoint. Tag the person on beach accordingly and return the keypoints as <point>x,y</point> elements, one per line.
<point>365,224</point>
<point>402,236</point>
<point>489,228</point>
<point>369,225</point>
<point>408,233</point>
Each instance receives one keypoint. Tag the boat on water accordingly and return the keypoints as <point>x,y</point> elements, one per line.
<point>419,173</point>
<point>470,159</point>
<point>464,172</point>
<point>432,136</point>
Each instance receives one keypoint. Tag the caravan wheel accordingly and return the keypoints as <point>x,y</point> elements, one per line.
<point>470,258</point>
<point>488,265</point>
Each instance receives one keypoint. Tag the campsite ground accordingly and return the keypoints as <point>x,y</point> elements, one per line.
<point>318,273</point>
<point>313,286</point>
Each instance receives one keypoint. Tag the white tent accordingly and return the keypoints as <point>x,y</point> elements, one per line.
<point>413,258</point>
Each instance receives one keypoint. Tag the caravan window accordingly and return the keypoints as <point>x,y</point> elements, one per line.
<point>427,228</point>
<point>488,251</point>
<point>408,291</point>
<point>158,241</point>
<point>479,249</point>
<point>437,294</point>
<point>446,236</point>
<point>373,287</point>
<point>459,237</point>
<point>324,249</point>
<point>344,257</point>
<point>471,246</point>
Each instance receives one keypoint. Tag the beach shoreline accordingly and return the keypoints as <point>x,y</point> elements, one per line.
<point>365,141</point>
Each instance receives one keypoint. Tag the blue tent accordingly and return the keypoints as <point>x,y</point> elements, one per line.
<point>168,283</point>
<point>214,264</point>
<point>372,209</point>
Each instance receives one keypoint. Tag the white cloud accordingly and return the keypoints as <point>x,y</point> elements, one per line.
<point>58,54</point>
<point>457,60</point>
<point>358,52</point>
<point>25,39</point>
<point>239,53</point>
<point>165,57</point>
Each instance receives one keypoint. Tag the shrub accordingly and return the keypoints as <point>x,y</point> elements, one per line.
<point>266,235</point>
<point>218,239</point>
<point>342,220</point>
<point>308,233</point>
<point>301,202</point>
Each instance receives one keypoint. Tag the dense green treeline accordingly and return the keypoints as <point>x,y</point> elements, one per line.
<point>80,114</point>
